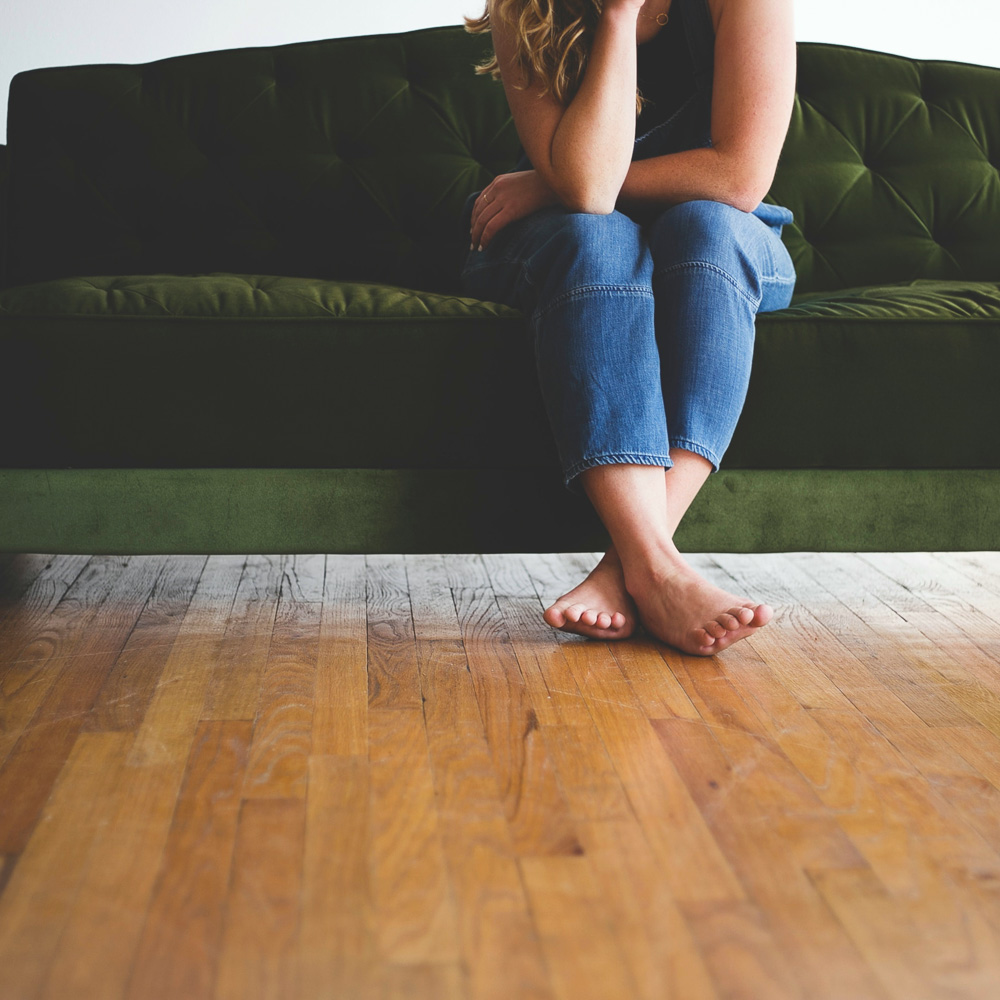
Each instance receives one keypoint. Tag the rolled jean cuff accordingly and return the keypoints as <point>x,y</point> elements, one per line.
<point>698,449</point>
<point>571,475</point>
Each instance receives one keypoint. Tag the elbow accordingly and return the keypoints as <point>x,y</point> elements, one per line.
<point>747,191</point>
<point>746,200</point>
<point>590,206</point>
<point>585,196</point>
<point>588,200</point>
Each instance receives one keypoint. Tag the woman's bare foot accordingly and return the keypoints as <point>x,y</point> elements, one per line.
<point>681,608</point>
<point>600,607</point>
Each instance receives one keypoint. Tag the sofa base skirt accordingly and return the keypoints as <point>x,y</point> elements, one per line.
<point>221,510</point>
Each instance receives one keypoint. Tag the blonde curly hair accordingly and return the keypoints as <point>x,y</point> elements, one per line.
<point>552,39</point>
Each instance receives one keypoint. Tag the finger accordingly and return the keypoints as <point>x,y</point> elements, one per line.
<point>486,226</point>
<point>478,207</point>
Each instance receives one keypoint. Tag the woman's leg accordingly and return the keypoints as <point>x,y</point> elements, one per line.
<point>714,269</point>
<point>584,282</point>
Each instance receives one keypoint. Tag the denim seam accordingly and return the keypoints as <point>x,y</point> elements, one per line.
<point>711,267</point>
<point>618,458</point>
<point>583,290</point>
<point>699,449</point>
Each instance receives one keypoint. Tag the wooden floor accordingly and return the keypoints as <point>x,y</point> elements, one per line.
<point>384,777</point>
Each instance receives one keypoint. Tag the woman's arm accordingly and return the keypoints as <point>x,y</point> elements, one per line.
<point>582,150</point>
<point>752,95</point>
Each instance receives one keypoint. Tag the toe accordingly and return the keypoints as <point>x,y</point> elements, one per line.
<point>603,620</point>
<point>589,617</point>
<point>554,616</point>
<point>729,621</point>
<point>763,614</point>
<point>702,638</point>
<point>743,615</point>
<point>573,612</point>
<point>617,620</point>
<point>714,629</point>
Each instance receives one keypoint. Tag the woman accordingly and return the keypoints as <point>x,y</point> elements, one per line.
<point>640,252</point>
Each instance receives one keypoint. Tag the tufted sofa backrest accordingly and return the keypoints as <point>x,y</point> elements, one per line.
<point>351,158</point>
<point>890,167</point>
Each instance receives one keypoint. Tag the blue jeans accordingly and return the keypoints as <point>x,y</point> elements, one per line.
<point>643,333</point>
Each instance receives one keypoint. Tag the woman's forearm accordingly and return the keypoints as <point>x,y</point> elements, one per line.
<point>592,145</point>
<point>695,174</point>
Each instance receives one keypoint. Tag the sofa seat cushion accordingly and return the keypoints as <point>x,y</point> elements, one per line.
<point>235,296</point>
<point>895,376</point>
<point>234,371</point>
<point>914,300</point>
<point>250,371</point>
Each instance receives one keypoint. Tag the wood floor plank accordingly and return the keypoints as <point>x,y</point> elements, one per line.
<point>507,574</point>
<point>337,944</point>
<point>177,705</point>
<point>736,943</point>
<point>567,903</point>
<point>33,583</point>
<point>586,773</point>
<point>121,703</point>
<point>331,776</point>
<point>178,951</point>
<point>282,733</point>
<point>500,947</point>
<point>551,688</point>
<point>536,811</point>
<point>958,787</point>
<point>982,568</point>
<point>554,574</point>
<point>972,607</point>
<point>641,661</point>
<point>772,828</point>
<point>673,826</point>
<point>835,638</point>
<point>32,597</point>
<point>102,931</point>
<point>432,980</point>
<point>44,741</point>
<point>234,677</point>
<point>413,899</point>
<point>34,638</point>
<point>892,941</point>
<point>890,812</point>
<point>884,606</point>
<point>656,942</point>
<point>392,677</point>
<point>411,889</point>
<point>104,928</point>
<point>257,960</point>
<point>979,747</point>
<point>340,712</point>
<point>44,884</point>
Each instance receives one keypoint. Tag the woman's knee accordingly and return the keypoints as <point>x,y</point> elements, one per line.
<point>712,233</point>
<point>585,249</point>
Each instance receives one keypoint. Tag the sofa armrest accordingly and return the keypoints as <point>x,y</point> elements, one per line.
<point>4,174</point>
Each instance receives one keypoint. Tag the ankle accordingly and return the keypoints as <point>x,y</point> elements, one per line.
<point>653,563</point>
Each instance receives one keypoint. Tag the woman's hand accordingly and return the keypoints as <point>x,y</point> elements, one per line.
<point>508,197</point>
<point>581,150</point>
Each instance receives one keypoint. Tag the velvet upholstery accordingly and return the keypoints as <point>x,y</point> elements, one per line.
<point>262,371</point>
<point>237,271</point>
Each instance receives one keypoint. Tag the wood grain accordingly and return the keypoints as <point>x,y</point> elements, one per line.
<point>319,777</point>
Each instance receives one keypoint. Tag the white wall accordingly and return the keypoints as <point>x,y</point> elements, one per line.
<point>71,32</point>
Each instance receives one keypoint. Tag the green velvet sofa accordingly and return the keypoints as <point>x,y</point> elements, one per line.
<point>230,319</point>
